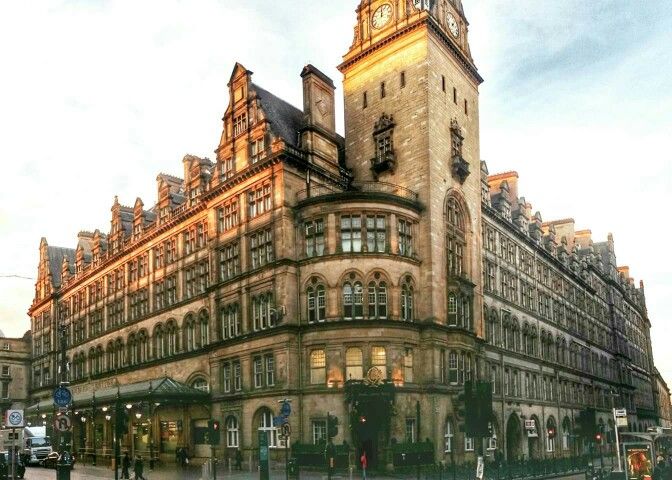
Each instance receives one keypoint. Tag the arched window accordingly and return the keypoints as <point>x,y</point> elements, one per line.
<point>159,342</point>
<point>143,346</point>
<point>354,365</point>
<point>515,327</point>
<point>455,238</point>
<point>92,361</point>
<point>318,367</point>
<point>317,303</point>
<point>377,300</point>
<point>111,358</point>
<point>203,329</point>
<point>353,301</point>
<point>232,432</point>
<point>448,437</point>
<point>407,301</point>
<point>171,338</point>
<point>201,384</point>
<point>119,352</point>
<point>230,321</point>
<point>566,427</point>
<point>266,426</point>
<point>261,311</point>
<point>379,359</point>
<point>190,333</point>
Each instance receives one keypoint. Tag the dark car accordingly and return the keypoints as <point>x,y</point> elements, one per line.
<point>6,463</point>
<point>51,461</point>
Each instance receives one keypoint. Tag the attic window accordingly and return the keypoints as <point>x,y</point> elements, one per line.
<point>240,124</point>
<point>227,168</point>
<point>256,150</point>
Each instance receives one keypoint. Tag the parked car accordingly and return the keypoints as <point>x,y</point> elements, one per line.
<point>51,461</point>
<point>6,462</point>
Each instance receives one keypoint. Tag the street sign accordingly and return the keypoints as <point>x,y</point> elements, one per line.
<point>278,421</point>
<point>285,409</point>
<point>620,413</point>
<point>14,419</point>
<point>62,396</point>
<point>286,430</point>
<point>63,423</point>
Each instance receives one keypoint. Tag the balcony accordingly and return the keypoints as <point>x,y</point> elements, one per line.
<point>358,190</point>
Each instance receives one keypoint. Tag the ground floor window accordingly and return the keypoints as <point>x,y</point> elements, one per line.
<point>232,432</point>
<point>319,431</point>
<point>468,444</point>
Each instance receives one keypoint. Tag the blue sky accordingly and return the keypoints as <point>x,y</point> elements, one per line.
<point>97,97</point>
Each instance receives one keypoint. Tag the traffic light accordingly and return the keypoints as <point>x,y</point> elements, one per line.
<point>332,425</point>
<point>598,437</point>
<point>213,432</point>
<point>551,432</point>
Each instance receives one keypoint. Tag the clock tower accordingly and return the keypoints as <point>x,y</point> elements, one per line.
<point>411,119</point>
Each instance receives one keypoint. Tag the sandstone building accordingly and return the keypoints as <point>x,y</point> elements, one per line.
<point>298,263</point>
<point>14,372</point>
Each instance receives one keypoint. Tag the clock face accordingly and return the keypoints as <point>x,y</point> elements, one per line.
<point>381,16</point>
<point>453,26</point>
<point>421,4</point>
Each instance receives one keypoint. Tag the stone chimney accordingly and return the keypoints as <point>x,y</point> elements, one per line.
<point>511,178</point>
<point>318,99</point>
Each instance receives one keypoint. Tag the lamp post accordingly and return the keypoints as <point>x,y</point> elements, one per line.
<point>64,463</point>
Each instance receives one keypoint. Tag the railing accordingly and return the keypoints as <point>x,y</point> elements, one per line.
<point>316,191</point>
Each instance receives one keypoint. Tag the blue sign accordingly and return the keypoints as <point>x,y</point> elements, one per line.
<point>62,396</point>
<point>285,409</point>
<point>278,421</point>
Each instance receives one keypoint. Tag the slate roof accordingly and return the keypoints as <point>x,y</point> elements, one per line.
<point>286,120</point>
<point>56,255</point>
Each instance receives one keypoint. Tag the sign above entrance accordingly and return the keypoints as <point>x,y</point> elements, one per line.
<point>374,377</point>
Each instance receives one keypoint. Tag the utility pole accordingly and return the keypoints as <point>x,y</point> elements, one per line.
<point>64,461</point>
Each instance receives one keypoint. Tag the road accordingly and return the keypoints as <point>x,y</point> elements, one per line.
<point>97,473</point>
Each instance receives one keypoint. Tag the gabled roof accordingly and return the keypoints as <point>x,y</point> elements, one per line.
<point>285,119</point>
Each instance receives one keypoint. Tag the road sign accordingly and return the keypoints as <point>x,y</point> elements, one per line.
<point>14,419</point>
<point>62,396</point>
<point>278,421</point>
<point>620,412</point>
<point>286,430</point>
<point>63,423</point>
<point>285,409</point>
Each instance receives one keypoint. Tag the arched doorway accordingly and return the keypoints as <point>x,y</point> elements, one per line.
<point>514,438</point>
<point>533,442</point>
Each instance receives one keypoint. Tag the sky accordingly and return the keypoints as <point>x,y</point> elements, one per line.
<point>97,97</point>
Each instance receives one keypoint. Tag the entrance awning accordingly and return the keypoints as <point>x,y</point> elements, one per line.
<point>163,390</point>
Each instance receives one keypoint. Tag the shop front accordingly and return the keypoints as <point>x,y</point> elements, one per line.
<point>159,413</point>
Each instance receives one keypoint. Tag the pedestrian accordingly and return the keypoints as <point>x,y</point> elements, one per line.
<point>125,465</point>
<point>139,468</point>
<point>239,459</point>
<point>364,463</point>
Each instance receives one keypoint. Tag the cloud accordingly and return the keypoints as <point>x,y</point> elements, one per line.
<point>100,96</point>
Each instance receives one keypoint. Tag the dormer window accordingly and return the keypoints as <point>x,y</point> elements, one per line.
<point>459,166</point>
<point>227,168</point>
<point>257,150</point>
<point>383,139</point>
<point>240,124</point>
<point>193,196</point>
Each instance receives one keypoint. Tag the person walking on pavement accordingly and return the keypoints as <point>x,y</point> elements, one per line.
<point>125,465</point>
<point>239,460</point>
<point>364,463</point>
<point>139,468</point>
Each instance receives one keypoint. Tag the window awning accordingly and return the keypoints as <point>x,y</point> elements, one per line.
<point>162,390</point>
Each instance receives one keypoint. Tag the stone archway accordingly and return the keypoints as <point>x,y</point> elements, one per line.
<point>514,439</point>
<point>534,440</point>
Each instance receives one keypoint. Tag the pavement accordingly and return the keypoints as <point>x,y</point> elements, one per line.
<point>82,472</point>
